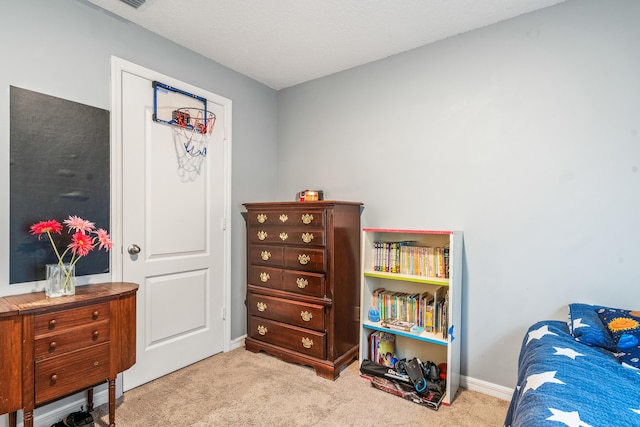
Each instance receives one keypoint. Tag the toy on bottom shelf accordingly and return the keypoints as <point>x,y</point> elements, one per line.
<point>387,350</point>
<point>418,382</point>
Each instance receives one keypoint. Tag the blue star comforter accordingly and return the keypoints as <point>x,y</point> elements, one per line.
<point>563,382</point>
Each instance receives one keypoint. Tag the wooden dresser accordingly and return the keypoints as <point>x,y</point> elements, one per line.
<point>54,347</point>
<point>303,279</point>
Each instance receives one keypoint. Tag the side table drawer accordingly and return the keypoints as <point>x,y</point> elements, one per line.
<point>71,372</point>
<point>52,345</point>
<point>58,320</point>
<point>295,313</point>
<point>302,340</point>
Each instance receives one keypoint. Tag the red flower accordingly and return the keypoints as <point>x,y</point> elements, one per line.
<point>83,241</point>
<point>50,226</point>
<point>81,244</point>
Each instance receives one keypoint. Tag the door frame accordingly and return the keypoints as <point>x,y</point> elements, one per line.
<point>118,66</point>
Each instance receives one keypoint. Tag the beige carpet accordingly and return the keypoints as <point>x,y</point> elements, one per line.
<point>241,388</point>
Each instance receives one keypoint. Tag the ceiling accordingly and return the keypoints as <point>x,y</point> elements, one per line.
<point>282,43</point>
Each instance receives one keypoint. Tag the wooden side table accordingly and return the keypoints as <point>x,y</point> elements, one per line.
<point>54,347</point>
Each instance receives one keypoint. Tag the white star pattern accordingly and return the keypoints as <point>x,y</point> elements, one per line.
<point>637,411</point>
<point>567,352</point>
<point>539,333</point>
<point>577,323</point>
<point>571,419</point>
<point>536,380</point>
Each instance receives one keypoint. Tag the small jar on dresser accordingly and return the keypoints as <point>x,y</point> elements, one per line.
<point>303,279</point>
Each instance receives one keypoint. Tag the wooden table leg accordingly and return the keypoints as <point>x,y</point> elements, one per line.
<point>112,402</point>
<point>13,419</point>
<point>90,399</point>
<point>28,418</point>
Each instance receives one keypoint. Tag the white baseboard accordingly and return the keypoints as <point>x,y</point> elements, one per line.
<point>485,387</point>
<point>237,343</point>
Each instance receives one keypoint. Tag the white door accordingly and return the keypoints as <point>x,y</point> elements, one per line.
<point>175,219</point>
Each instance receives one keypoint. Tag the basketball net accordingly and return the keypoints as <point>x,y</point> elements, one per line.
<point>191,136</point>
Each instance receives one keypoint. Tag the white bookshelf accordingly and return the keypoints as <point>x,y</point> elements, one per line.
<point>427,346</point>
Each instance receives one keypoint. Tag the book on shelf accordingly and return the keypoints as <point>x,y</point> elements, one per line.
<point>398,325</point>
<point>382,348</point>
<point>427,310</point>
<point>407,257</point>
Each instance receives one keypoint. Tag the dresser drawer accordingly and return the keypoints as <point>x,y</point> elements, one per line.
<point>302,340</point>
<point>280,235</point>
<point>71,372</point>
<point>308,217</point>
<point>305,259</point>
<point>51,345</point>
<point>292,312</point>
<point>267,277</point>
<point>312,284</point>
<point>266,255</point>
<point>305,237</point>
<point>63,319</point>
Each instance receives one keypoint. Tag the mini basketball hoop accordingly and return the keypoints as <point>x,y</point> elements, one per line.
<point>192,125</point>
<point>192,131</point>
<point>196,126</point>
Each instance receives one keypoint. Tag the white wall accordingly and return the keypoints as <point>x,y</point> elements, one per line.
<point>63,48</point>
<point>524,135</point>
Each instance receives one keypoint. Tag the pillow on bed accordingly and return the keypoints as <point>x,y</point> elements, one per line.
<point>624,329</point>
<point>586,327</point>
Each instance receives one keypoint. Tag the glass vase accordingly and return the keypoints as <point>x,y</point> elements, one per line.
<point>60,280</point>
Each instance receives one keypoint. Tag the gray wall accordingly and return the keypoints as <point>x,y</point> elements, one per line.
<point>63,48</point>
<point>524,135</point>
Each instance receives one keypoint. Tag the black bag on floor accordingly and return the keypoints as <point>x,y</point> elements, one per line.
<point>79,419</point>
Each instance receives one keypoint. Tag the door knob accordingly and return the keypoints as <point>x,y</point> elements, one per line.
<point>133,249</point>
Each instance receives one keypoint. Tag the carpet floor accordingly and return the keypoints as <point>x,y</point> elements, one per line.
<point>240,388</point>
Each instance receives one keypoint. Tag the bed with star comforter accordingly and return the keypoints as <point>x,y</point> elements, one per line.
<point>562,381</point>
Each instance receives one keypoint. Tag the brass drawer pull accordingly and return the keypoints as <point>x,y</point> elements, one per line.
<point>302,283</point>
<point>265,255</point>
<point>307,342</point>
<point>306,316</point>
<point>262,330</point>
<point>304,259</point>
<point>52,323</point>
<point>264,277</point>
<point>95,335</point>
<point>54,378</point>
<point>307,218</point>
<point>261,218</point>
<point>284,236</point>
<point>261,306</point>
<point>52,345</point>
<point>307,237</point>
<point>262,235</point>
<point>284,218</point>
<point>95,314</point>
